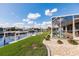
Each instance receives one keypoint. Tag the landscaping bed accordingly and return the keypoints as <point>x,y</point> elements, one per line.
<point>59,42</point>
<point>73,42</point>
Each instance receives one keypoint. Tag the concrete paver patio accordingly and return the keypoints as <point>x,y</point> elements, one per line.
<point>64,49</point>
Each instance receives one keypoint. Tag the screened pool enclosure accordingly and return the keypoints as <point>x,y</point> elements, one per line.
<point>66,26</point>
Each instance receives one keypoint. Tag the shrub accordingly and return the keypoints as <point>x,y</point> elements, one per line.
<point>73,42</point>
<point>59,42</point>
<point>48,37</point>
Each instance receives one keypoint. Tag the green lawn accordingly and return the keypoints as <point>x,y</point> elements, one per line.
<point>31,46</point>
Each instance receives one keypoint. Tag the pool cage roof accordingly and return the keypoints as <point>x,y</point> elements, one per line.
<point>65,19</point>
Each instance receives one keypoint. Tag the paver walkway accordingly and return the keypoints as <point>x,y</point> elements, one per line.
<point>64,49</point>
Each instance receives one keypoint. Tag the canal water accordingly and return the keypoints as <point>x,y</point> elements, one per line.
<point>9,39</point>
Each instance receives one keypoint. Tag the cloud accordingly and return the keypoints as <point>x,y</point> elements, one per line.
<point>33,16</point>
<point>30,22</point>
<point>19,25</point>
<point>46,24</point>
<point>54,10</point>
<point>43,25</point>
<point>26,20</point>
<point>5,25</point>
<point>37,25</point>
<point>49,12</point>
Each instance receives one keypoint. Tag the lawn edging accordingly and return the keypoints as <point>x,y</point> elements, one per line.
<point>47,47</point>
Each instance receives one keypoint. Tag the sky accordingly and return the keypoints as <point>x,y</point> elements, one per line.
<point>27,14</point>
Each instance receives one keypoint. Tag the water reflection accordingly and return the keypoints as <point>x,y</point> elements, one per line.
<point>8,39</point>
